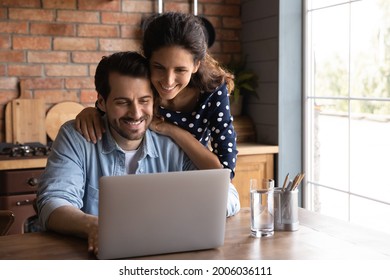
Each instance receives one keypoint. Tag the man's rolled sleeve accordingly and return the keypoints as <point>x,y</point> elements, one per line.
<point>233,204</point>
<point>47,208</point>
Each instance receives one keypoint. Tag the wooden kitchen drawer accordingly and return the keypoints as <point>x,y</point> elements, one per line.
<point>22,207</point>
<point>19,181</point>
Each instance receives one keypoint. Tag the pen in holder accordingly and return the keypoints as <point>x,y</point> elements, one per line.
<point>286,209</point>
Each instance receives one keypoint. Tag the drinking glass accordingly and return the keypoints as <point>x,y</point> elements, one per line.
<point>262,207</point>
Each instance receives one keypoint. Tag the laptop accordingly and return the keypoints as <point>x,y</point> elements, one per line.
<point>150,214</point>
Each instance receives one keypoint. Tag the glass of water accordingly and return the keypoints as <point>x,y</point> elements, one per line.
<point>262,208</point>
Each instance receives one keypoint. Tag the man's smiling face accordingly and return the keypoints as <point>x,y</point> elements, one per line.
<point>129,109</point>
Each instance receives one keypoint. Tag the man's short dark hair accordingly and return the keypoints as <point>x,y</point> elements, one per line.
<point>125,63</point>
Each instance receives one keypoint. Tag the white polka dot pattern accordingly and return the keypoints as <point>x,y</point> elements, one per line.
<point>210,121</point>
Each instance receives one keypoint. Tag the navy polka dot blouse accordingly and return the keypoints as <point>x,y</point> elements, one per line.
<point>210,121</point>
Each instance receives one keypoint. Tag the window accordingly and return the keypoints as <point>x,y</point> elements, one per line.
<point>347,110</point>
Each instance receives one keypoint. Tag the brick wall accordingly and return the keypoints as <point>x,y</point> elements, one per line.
<point>55,45</point>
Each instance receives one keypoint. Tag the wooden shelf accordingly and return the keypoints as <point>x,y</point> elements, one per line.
<point>256,149</point>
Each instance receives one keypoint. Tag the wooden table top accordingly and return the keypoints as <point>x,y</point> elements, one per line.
<point>318,238</point>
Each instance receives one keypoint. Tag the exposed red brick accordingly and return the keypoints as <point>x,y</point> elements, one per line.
<point>88,97</point>
<point>47,57</point>
<point>75,44</point>
<point>31,14</point>
<point>8,82</point>
<point>139,6</point>
<point>211,1</point>
<point>75,35</point>
<point>231,47</point>
<point>222,10</point>
<point>61,70</point>
<point>3,13</point>
<point>227,35</point>
<point>78,16</point>
<point>11,56</point>
<point>78,83</point>
<point>32,43</point>
<point>223,58</point>
<point>215,48</point>
<point>2,70</point>
<point>56,96</point>
<point>118,44</point>
<point>231,22</point>
<point>59,29</point>
<point>236,2</point>
<point>100,5</point>
<point>5,42</point>
<point>21,3</point>
<point>43,83</point>
<point>14,27</point>
<point>216,22</point>
<point>59,4</point>
<point>92,69</point>
<point>88,57</point>
<point>8,95</point>
<point>94,30</point>
<point>24,70</point>
<point>177,7</point>
<point>121,18</point>
<point>131,32</point>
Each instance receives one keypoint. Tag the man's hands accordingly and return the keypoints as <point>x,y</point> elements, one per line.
<point>92,229</point>
<point>71,220</point>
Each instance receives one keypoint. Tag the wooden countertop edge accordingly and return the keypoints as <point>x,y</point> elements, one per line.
<point>243,149</point>
<point>22,164</point>
<point>254,148</point>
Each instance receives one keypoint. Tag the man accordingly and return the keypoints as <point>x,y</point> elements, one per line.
<point>67,198</point>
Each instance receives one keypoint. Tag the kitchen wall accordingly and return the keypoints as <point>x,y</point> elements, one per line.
<point>55,45</point>
<point>260,43</point>
<point>272,39</point>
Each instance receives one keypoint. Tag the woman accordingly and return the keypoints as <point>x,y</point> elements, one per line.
<point>193,103</point>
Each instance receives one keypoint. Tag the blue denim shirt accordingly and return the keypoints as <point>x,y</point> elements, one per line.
<point>75,165</point>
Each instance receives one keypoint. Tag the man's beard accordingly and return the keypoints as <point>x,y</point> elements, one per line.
<point>131,135</point>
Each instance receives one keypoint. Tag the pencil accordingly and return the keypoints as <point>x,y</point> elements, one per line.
<point>294,182</point>
<point>285,182</point>
<point>299,180</point>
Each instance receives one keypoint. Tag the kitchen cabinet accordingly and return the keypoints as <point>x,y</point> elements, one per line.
<point>20,168</point>
<point>17,193</point>
<point>253,161</point>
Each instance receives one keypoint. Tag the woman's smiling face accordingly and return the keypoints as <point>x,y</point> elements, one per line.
<point>171,69</point>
